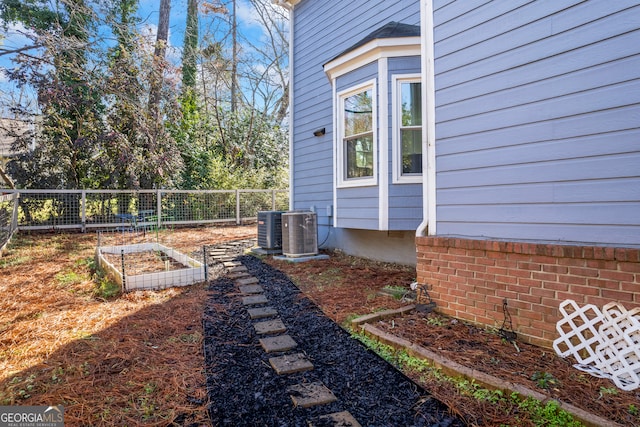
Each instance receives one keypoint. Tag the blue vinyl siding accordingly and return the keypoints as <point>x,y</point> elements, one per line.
<point>538,120</point>
<point>320,34</point>
<point>405,200</point>
<point>358,208</point>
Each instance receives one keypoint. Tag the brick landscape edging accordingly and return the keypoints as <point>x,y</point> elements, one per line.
<point>454,369</point>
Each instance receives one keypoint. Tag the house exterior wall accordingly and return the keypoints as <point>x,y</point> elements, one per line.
<point>537,122</point>
<point>319,35</point>
<point>537,164</point>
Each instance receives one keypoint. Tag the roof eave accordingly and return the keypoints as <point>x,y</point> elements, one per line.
<point>288,4</point>
<point>377,48</point>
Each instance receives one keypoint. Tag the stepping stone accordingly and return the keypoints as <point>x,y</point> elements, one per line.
<point>274,326</point>
<point>262,312</point>
<point>231,264</point>
<point>246,281</point>
<point>278,343</point>
<point>338,419</point>
<point>311,394</point>
<point>238,274</point>
<point>237,269</point>
<point>254,300</point>
<point>251,289</point>
<point>290,363</point>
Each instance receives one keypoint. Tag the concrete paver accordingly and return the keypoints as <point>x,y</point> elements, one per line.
<point>255,300</point>
<point>311,394</point>
<point>238,274</point>
<point>290,363</point>
<point>246,281</point>
<point>274,326</point>
<point>251,289</point>
<point>231,264</point>
<point>278,343</point>
<point>262,312</point>
<point>337,419</point>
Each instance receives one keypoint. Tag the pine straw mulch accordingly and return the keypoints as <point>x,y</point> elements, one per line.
<point>129,360</point>
<point>344,286</point>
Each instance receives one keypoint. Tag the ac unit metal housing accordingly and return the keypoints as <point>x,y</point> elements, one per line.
<point>299,234</point>
<point>270,230</point>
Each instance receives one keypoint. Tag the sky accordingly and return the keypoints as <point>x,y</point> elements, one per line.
<point>15,36</point>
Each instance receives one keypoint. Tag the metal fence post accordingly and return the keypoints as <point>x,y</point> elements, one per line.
<point>124,272</point>
<point>14,219</point>
<point>84,210</point>
<point>159,209</point>
<point>273,200</point>
<point>238,219</point>
<point>204,261</point>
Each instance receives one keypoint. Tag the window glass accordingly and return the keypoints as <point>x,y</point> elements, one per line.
<point>358,113</point>
<point>411,104</point>
<point>411,128</point>
<point>359,157</point>
<point>358,134</point>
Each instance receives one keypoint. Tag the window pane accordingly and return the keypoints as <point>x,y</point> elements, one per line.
<point>411,151</point>
<point>359,156</point>
<point>358,116</point>
<point>411,104</point>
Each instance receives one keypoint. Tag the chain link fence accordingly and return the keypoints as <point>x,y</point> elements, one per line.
<point>8,218</point>
<point>143,209</point>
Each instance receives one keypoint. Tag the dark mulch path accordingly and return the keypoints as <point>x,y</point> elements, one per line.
<point>245,391</point>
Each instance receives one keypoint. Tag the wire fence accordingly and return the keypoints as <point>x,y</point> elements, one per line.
<point>8,218</point>
<point>143,209</point>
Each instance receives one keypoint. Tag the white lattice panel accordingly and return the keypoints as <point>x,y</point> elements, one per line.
<point>605,343</point>
<point>619,349</point>
<point>578,331</point>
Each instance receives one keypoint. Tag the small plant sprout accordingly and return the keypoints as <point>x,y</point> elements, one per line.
<point>611,391</point>
<point>545,380</point>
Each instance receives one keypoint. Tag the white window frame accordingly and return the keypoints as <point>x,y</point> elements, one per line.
<point>343,181</point>
<point>396,139</point>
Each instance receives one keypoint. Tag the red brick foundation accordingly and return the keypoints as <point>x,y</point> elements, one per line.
<point>469,279</point>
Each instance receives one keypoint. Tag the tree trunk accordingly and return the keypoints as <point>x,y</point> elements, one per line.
<point>158,60</point>
<point>234,60</point>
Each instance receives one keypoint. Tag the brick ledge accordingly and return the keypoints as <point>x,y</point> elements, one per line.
<point>529,248</point>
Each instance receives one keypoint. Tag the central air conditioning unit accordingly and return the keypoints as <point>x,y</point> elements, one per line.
<point>270,230</point>
<point>299,234</point>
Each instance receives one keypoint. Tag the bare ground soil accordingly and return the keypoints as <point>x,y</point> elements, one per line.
<point>136,359</point>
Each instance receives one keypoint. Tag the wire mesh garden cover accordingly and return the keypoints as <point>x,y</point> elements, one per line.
<point>605,343</point>
<point>149,266</point>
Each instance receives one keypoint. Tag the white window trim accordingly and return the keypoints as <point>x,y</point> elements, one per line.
<point>396,140</point>
<point>371,52</point>
<point>342,182</point>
